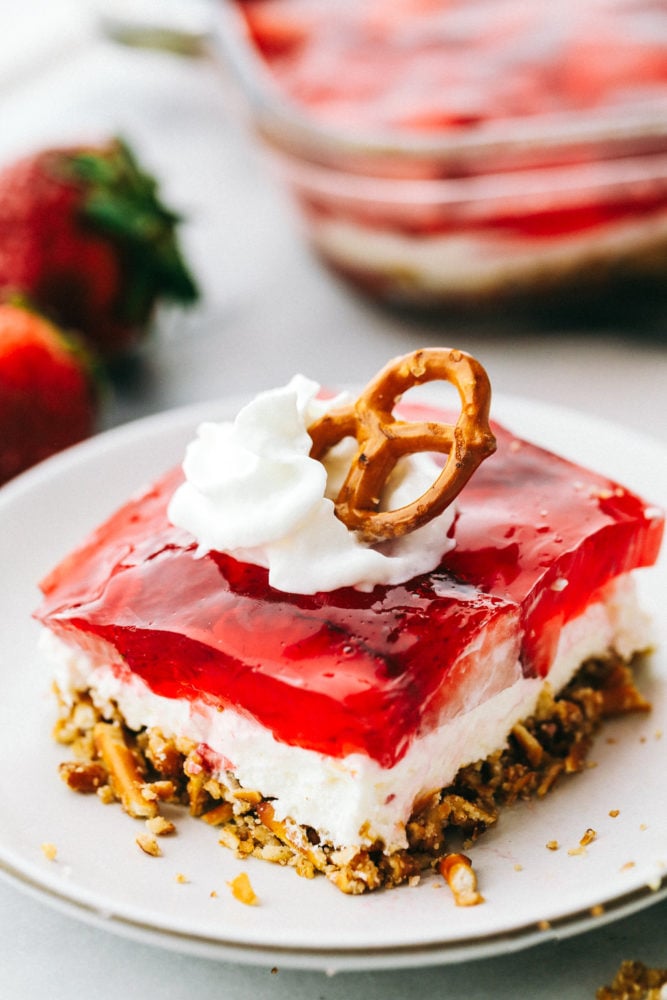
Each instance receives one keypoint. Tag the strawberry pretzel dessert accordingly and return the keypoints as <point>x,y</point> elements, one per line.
<point>470,152</point>
<point>347,632</point>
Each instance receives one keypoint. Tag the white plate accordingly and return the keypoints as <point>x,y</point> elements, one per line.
<point>101,876</point>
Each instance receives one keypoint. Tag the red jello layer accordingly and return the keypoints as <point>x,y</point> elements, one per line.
<point>539,225</point>
<point>349,671</point>
<point>432,66</point>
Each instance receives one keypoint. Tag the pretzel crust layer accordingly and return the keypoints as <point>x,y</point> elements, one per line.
<point>173,771</point>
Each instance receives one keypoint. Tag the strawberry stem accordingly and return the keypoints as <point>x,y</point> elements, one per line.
<point>121,202</point>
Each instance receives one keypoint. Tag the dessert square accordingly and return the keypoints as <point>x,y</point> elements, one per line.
<point>350,730</point>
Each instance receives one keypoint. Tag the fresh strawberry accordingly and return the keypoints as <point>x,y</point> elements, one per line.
<point>84,235</point>
<point>48,394</point>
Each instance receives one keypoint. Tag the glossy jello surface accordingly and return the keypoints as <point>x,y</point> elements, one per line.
<point>346,671</point>
<point>431,65</point>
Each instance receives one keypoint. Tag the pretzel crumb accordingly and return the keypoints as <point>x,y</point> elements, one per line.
<point>182,879</point>
<point>50,851</point>
<point>588,838</point>
<point>219,814</point>
<point>552,845</point>
<point>243,890</point>
<point>149,845</point>
<point>248,795</point>
<point>635,981</point>
<point>597,910</point>
<point>123,768</point>
<point>85,777</point>
<point>106,795</point>
<point>160,826</point>
<point>614,813</point>
<point>458,873</point>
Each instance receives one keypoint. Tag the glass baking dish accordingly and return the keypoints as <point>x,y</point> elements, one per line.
<point>473,154</point>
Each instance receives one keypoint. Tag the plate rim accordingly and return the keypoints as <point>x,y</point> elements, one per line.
<point>528,935</point>
<point>178,419</point>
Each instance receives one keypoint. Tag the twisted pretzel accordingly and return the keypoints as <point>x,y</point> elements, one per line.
<point>382,440</point>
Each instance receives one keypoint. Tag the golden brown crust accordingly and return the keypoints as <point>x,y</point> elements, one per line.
<point>153,768</point>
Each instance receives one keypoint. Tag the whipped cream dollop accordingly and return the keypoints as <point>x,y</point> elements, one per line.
<point>253,491</point>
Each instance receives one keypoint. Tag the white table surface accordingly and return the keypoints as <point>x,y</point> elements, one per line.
<point>270,310</point>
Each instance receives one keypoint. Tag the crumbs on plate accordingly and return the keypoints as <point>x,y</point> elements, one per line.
<point>635,981</point>
<point>149,845</point>
<point>242,890</point>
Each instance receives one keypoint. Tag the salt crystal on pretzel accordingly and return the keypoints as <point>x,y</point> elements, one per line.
<point>382,440</point>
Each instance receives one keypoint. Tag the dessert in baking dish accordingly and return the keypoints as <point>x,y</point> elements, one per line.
<point>472,153</point>
<point>339,631</point>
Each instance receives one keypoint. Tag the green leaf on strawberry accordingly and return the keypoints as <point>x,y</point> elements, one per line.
<point>85,234</point>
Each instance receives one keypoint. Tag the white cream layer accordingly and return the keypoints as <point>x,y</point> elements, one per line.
<point>352,800</point>
<point>471,263</point>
